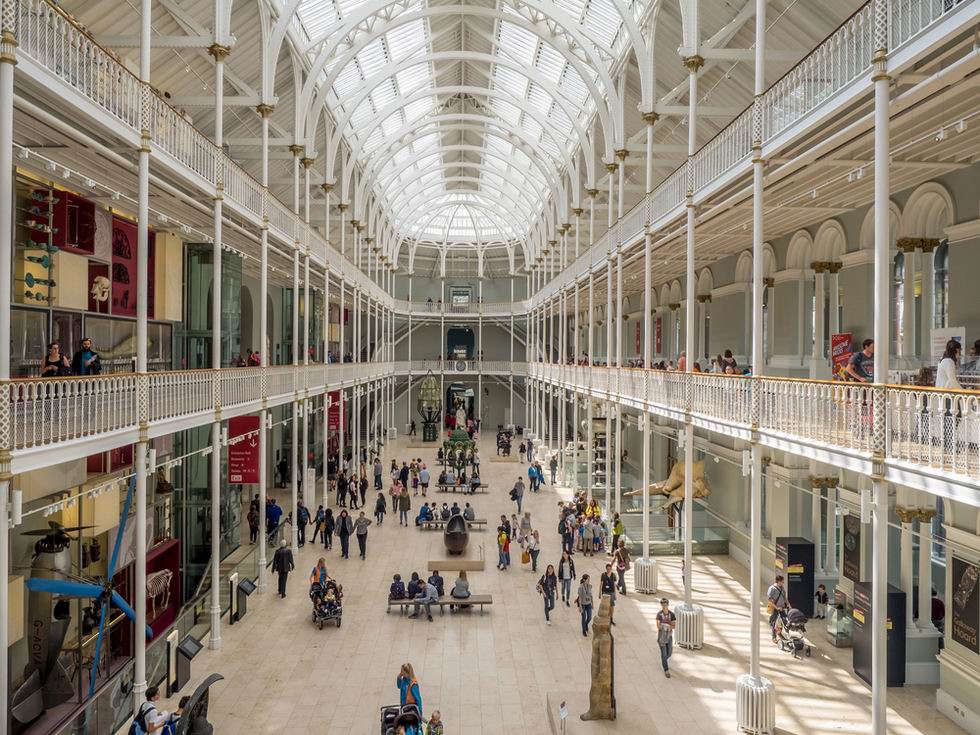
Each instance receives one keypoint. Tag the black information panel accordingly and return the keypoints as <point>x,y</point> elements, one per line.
<point>852,548</point>
<point>895,626</point>
<point>794,560</point>
<point>966,604</point>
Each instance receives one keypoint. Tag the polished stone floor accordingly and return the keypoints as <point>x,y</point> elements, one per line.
<point>492,673</point>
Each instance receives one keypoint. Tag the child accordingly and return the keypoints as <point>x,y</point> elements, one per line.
<point>822,600</point>
<point>435,724</point>
<point>397,589</point>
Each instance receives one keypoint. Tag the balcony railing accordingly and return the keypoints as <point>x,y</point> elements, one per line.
<point>53,40</point>
<point>828,70</point>
<point>471,308</point>
<point>922,427</point>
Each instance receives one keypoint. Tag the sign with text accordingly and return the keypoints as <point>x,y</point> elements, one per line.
<point>840,353</point>
<point>852,547</point>
<point>639,338</point>
<point>243,455</point>
<point>965,620</point>
<point>333,415</point>
<point>940,337</point>
<point>660,336</point>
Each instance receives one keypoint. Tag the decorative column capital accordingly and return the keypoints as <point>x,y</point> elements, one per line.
<point>296,150</point>
<point>552,243</point>
<point>621,154</point>
<point>819,266</point>
<point>265,110</point>
<point>593,193</point>
<point>906,515</point>
<point>307,162</point>
<point>834,266</point>
<point>769,282</point>
<point>342,207</point>
<point>650,117</point>
<point>326,188</point>
<point>577,211</point>
<point>928,244</point>
<point>354,224</point>
<point>612,167</point>
<point>704,298</point>
<point>220,52</point>
<point>693,63</point>
<point>566,227</point>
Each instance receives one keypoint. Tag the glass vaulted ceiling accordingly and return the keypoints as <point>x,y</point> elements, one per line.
<point>431,196</point>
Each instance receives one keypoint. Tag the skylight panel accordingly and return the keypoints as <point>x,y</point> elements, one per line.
<point>603,21</point>
<point>539,99</point>
<point>417,108</point>
<point>575,8</point>
<point>347,81</point>
<point>550,63</point>
<point>507,111</point>
<point>406,39</point>
<point>414,78</point>
<point>519,43</point>
<point>510,81</point>
<point>390,125</point>
<point>384,94</point>
<point>318,16</point>
<point>533,128</point>
<point>372,58</point>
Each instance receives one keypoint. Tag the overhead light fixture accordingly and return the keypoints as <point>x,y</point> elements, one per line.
<point>115,196</point>
<point>51,166</point>
<point>961,126</point>
<point>89,183</point>
<point>23,153</point>
<point>941,135</point>
<point>813,194</point>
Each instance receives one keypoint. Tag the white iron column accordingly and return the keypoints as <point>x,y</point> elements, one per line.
<point>341,430</point>
<point>647,362</point>
<point>928,263</point>
<point>510,366</point>
<point>907,344</point>
<point>925,572</point>
<point>590,450</point>
<point>695,630</point>
<point>265,357</point>
<point>575,371</point>
<point>817,359</point>
<point>830,524</point>
<point>294,458</point>
<point>309,492</point>
<point>142,263</point>
<point>882,272</point>
<point>219,53</point>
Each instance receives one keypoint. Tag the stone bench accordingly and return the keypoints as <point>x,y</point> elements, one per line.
<point>439,523</point>
<point>467,488</point>
<point>473,600</point>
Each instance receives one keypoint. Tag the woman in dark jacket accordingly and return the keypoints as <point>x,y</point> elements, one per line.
<point>363,487</point>
<point>566,574</point>
<point>345,527</point>
<point>380,508</point>
<point>328,525</point>
<point>548,586</point>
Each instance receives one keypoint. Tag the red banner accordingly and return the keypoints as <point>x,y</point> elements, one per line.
<point>840,353</point>
<point>639,339</point>
<point>660,335</point>
<point>333,415</point>
<point>243,456</point>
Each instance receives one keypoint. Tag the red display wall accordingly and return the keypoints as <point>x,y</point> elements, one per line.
<point>123,273</point>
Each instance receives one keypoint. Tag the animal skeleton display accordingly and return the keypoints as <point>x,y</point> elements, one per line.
<point>673,486</point>
<point>100,288</point>
<point>158,586</point>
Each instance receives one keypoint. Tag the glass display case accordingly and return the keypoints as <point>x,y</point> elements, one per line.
<point>839,621</point>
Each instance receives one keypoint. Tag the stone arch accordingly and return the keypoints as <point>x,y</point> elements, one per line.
<point>867,240</point>
<point>743,267</point>
<point>799,252</point>
<point>928,212</point>
<point>706,283</point>
<point>676,292</point>
<point>831,242</point>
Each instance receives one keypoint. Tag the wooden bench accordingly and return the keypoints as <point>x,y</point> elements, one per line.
<point>467,488</point>
<point>443,602</point>
<point>437,523</point>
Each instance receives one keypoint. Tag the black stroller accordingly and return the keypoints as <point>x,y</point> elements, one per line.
<point>407,715</point>
<point>791,629</point>
<point>326,599</point>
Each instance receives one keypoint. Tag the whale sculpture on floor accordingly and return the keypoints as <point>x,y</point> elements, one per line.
<point>673,486</point>
<point>456,535</point>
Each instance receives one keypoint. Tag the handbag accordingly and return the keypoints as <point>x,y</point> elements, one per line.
<point>525,557</point>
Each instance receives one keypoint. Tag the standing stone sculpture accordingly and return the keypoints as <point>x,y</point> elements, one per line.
<point>602,694</point>
<point>430,407</point>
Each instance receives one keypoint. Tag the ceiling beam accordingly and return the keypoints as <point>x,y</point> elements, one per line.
<point>202,42</point>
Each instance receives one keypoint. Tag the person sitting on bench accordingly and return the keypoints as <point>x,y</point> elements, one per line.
<point>397,589</point>
<point>436,580</point>
<point>444,513</point>
<point>461,588</point>
<point>425,514</point>
<point>475,484</point>
<point>455,510</point>
<point>468,513</point>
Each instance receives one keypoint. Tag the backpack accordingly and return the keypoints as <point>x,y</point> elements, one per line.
<point>139,726</point>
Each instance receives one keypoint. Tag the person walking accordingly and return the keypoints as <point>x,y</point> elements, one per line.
<point>566,573</point>
<point>378,472</point>
<point>534,548</point>
<point>408,688</point>
<point>532,477</point>
<point>776,601</point>
<point>424,478</point>
<point>553,466</point>
<point>583,600</point>
<point>345,527</point>
<point>329,522</point>
<point>363,488</point>
<point>404,506</point>
<point>621,558</point>
<point>502,543</point>
<point>282,564</point>
<point>517,493</point>
<point>380,508</point>
<point>253,525</point>
<point>86,360</point>
<point>317,523</point>
<point>548,586</point>
<point>361,531</point>
<point>522,449</point>
<point>588,536</point>
<point>666,622</point>
<point>617,533</point>
<point>302,521</point>
<point>607,588</point>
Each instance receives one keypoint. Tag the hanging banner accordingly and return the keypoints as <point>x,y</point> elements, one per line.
<point>965,620</point>
<point>243,456</point>
<point>639,338</point>
<point>333,415</point>
<point>840,353</point>
<point>852,547</point>
<point>939,338</point>
<point>660,331</point>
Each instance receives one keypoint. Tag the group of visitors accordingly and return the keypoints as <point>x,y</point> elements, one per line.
<point>85,361</point>
<point>582,526</point>
<point>431,512</point>
<point>427,593</point>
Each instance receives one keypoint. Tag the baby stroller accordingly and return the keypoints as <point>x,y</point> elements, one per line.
<point>407,715</point>
<point>326,599</point>
<point>791,631</point>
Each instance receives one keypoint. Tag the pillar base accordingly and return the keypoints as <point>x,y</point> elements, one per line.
<point>690,626</point>
<point>755,701</point>
<point>645,576</point>
<point>214,641</point>
<point>262,585</point>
